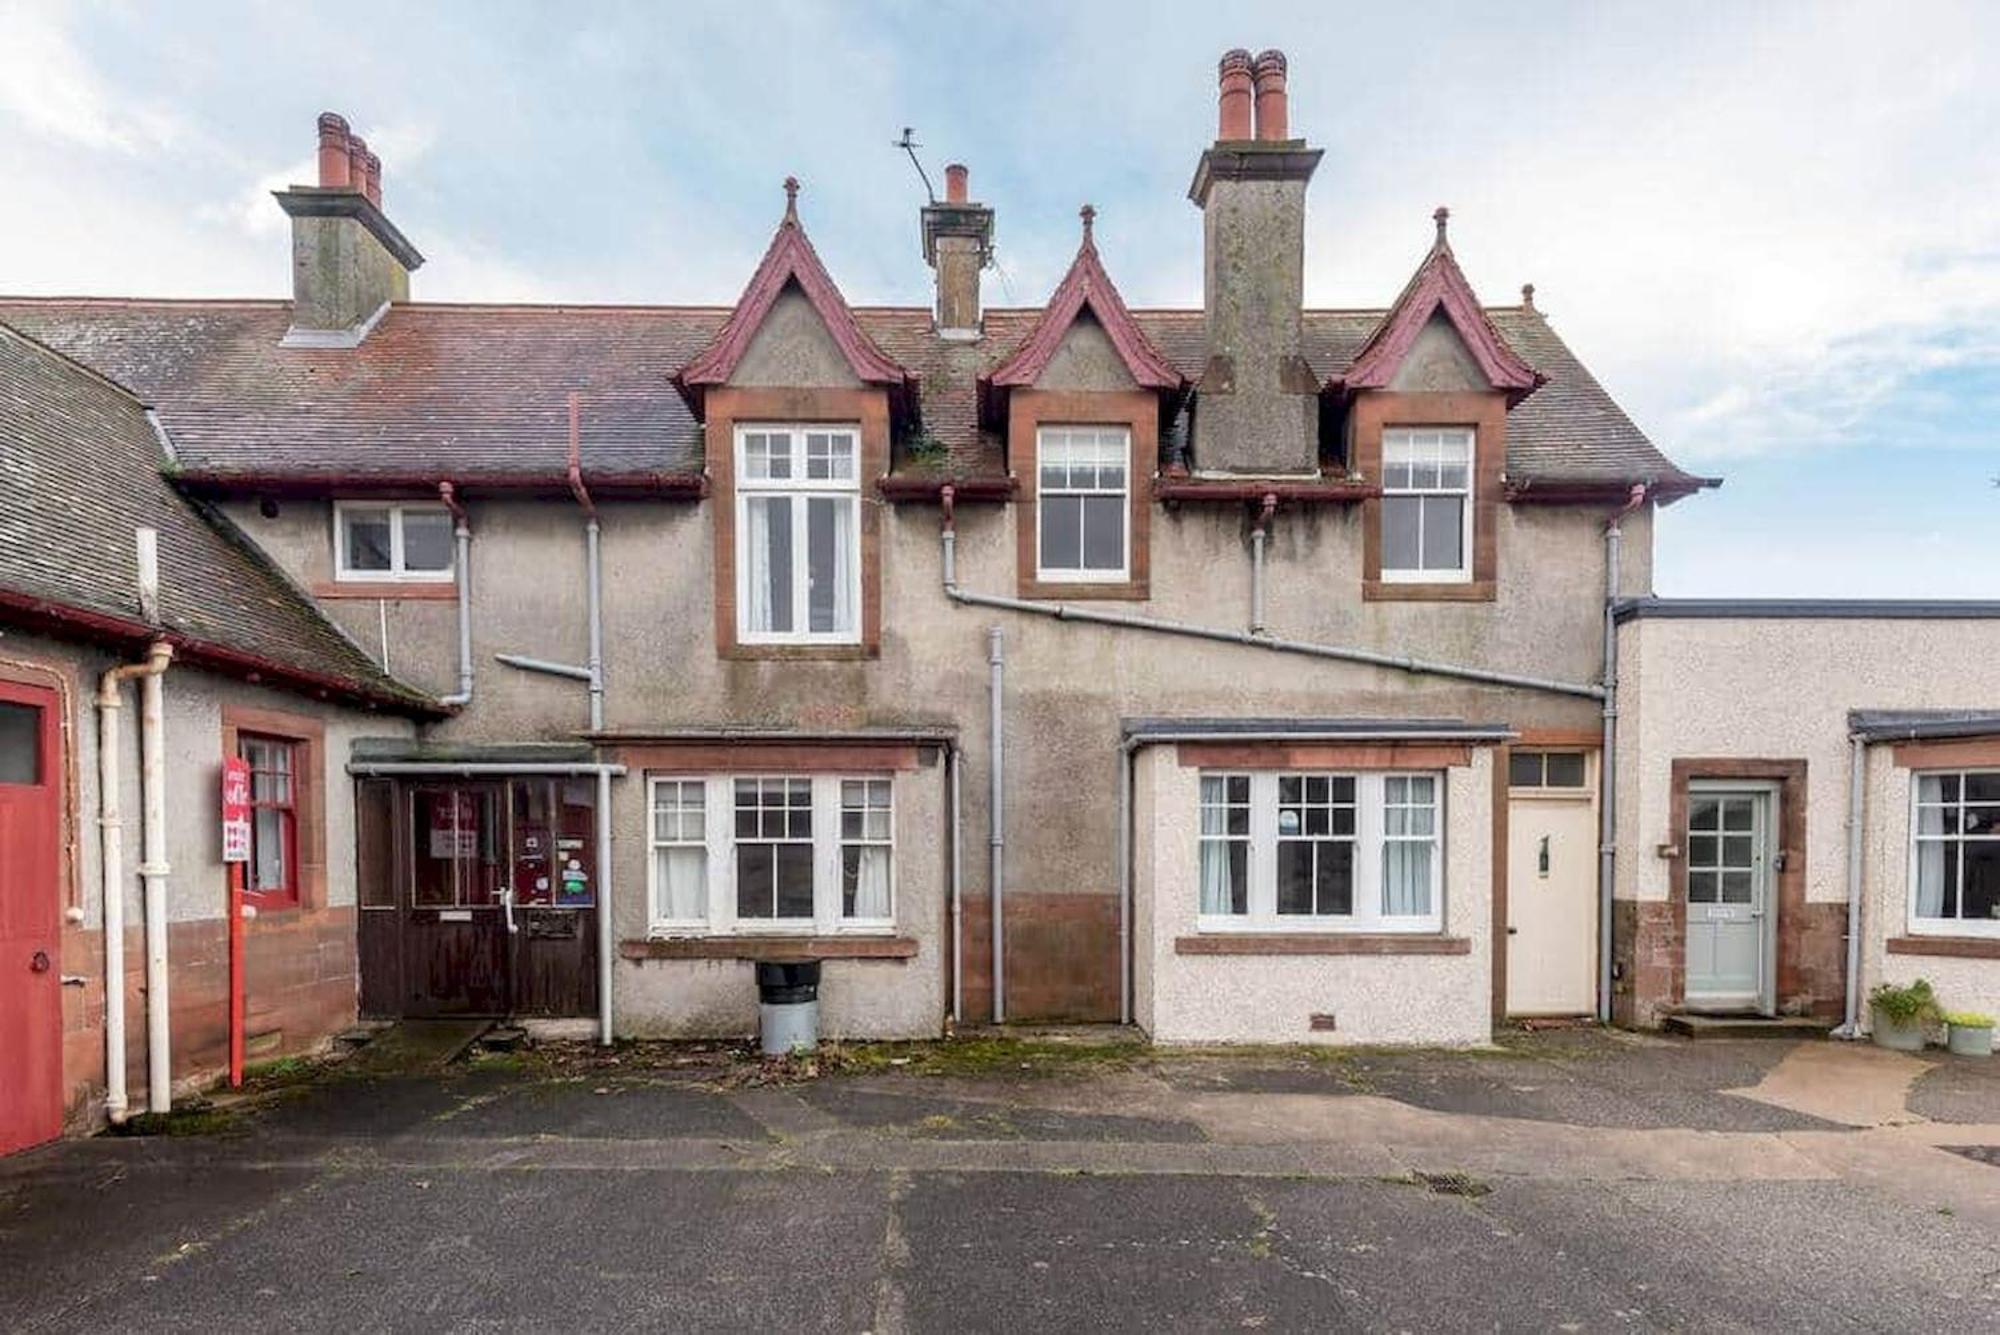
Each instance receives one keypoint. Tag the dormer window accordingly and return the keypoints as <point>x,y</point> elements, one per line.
<point>798,534</point>
<point>1084,484</point>
<point>1427,504</point>
<point>392,542</point>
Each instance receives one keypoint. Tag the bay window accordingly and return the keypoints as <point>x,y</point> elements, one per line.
<point>790,854</point>
<point>1955,854</point>
<point>1427,504</point>
<point>798,534</point>
<point>1321,852</point>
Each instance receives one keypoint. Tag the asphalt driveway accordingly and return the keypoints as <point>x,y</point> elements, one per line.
<point>1565,1182</point>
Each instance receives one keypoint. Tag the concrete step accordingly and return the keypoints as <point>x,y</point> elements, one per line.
<point>1691,1025</point>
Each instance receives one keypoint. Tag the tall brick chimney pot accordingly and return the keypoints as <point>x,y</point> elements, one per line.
<point>357,163</point>
<point>371,185</point>
<point>1233,77</point>
<point>333,169</point>
<point>1273,118</point>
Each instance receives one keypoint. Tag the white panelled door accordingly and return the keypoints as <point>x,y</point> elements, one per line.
<point>1552,900</point>
<point>1729,896</point>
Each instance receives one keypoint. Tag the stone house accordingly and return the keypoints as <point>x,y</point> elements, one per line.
<point>1243,672</point>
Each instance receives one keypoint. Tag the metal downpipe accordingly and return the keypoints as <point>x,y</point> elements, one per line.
<point>462,534</point>
<point>604,933</point>
<point>954,761</point>
<point>1125,880</point>
<point>997,818</point>
<point>1857,810</point>
<point>1607,760</point>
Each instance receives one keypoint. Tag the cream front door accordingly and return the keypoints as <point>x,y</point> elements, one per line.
<point>1552,899</point>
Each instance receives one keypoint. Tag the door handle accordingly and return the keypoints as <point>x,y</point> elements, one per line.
<point>38,962</point>
<point>507,903</point>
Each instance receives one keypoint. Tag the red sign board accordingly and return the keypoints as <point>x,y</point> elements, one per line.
<point>235,810</point>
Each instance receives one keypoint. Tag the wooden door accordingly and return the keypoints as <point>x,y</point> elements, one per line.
<point>455,923</point>
<point>31,1103</point>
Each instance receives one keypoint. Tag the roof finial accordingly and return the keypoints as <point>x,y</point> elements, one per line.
<point>1528,296</point>
<point>1089,215</point>
<point>1441,217</point>
<point>792,200</point>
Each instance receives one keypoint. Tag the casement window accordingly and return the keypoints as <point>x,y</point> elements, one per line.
<point>1427,504</point>
<point>798,534</point>
<point>271,878</point>
<point>1321,852</point>
<point>1955,854</point>
<point>1546,771</point>
<point>1083,503</point>
<point>392,542</point>
<point>792,854</point>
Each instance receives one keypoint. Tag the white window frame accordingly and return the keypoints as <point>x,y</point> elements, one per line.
<point>1369,842</point>
<point>1922,926</point>
<point>801,490</point>
<point>1044,436</point>
<point>1407,436</point>
<point>719,807</point>
<point>662,923</point>
<point>396,573</point>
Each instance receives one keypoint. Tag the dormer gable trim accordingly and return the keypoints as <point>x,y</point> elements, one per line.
<point>1086,284</point>
<point>790,259</point>
<point>1439,284</point>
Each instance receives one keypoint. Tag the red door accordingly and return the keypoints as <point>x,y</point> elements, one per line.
<point>31,1104</point>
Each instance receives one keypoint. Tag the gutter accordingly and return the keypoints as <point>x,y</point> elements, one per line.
<point>635,483</point>
<point>208,654</point>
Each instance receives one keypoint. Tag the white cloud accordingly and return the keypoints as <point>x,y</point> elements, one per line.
<point>51,89</point>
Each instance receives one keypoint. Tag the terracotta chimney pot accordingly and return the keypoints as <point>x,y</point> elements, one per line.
<point>357,162</point>
<point>372,183</point>
<point>333,172</point>
<point>1273,119</point>
<point>1233,77</point>
<point>955,182</point>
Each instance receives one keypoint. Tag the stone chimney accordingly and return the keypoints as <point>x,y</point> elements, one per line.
<point>958,243</point>
<point>348,260</point>
<point>1257,410</point>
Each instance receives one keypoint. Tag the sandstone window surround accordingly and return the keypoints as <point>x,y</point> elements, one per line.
<point>784,854</point>
<point>1321,852</point>
<point>1477,417</point>
<point>1065,417</point>
<point>298,805</point>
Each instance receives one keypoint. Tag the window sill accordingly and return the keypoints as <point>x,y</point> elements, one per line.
<point>1392,591</point>
<point>390,589</point>
<point>1963,947</point>
<point>1085,590</point>
<point>801,653</point>
<point>1322,943</point>
<point>771,948</point>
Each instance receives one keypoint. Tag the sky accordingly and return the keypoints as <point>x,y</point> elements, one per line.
<point>1771,230</point>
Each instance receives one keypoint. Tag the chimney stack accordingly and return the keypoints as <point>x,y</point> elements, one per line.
<point>958,244</point>
<point>1257,410</point>
<point>349,262</point>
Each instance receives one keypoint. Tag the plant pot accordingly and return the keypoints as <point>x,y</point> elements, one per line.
<point>1970,1040</point>
<point>1898,1037</point>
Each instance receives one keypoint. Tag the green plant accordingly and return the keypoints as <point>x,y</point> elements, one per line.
<point>921,447</point>
<point>1969,1019</point>
<point>1904,1006</point>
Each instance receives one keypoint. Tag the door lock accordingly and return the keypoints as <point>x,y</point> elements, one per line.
<point>38,962</point>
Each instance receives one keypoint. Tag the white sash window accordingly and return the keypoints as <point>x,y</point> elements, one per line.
<point>798,534</point>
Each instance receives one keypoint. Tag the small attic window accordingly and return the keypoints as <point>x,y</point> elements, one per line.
<point>392,542</point>
<point>1427,505</point>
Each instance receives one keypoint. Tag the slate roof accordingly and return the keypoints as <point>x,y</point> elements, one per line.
<point>80,470</point>
<point>477,392</point>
